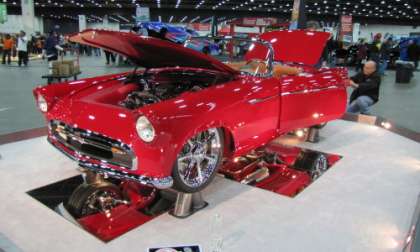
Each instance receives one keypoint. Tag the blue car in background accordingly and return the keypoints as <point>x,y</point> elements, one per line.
<point>203,45</point>
<point>180,35</point>
<point>176,34</point>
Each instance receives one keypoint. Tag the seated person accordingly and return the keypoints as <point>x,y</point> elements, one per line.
<point>260,67</point>
<point>366,89</point>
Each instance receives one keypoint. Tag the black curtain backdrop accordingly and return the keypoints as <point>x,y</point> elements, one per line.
<point>62,27</point>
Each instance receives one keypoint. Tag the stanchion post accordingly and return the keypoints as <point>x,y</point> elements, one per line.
<point>187,204</point>
<point>313,135</point>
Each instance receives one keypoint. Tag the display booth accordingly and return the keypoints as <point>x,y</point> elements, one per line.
<point>363,202</point>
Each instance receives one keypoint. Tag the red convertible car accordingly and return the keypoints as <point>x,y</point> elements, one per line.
<point>171,122</point>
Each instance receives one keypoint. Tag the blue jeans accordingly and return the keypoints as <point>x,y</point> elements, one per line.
<point>360,105</point>
<point>382,67</point>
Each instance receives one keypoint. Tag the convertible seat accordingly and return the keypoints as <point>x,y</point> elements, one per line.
<point>281,70</point>
<point>278,70</point>
<point>236,65</point>
<point>255,66</point>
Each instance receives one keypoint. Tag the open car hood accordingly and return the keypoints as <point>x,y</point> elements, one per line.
<point>149,52</point>
<point>298,46</point>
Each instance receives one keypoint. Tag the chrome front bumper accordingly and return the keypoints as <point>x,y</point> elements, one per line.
<point>159,183</point>
<point>108,169</point>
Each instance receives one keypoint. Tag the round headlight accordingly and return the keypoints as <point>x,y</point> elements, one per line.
<point>42,104</point>
<point>145,129</point>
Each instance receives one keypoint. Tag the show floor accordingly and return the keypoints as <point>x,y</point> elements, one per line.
<point>17,106</point>
<point>365,203</point>
<point>398,102</point>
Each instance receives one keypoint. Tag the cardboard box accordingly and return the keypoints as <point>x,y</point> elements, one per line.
<point>76,68</point>
<point>55,71</point>
<point>54,67</point>
<point>65,67</point>
<point>64,70</point>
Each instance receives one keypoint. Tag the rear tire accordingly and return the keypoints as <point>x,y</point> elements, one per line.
<point>314,163</point>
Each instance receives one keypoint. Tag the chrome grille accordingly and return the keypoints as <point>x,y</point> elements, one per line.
<point>93,145</point>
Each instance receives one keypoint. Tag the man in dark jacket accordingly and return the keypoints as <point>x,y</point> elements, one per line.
<point>52,47</point>
<point>385,55</point>
<point>375,48</point>
<point>413,52</point>
<point>366,89</point>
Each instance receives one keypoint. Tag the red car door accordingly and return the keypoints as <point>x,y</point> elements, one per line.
<point>257,119</point>
<point>311,98</point>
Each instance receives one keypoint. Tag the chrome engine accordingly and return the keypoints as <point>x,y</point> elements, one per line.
<point>138,99</point>
<point>157,93</point>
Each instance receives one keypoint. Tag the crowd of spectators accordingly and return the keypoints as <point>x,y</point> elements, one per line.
<point>383,51</point>
<point>20,48</point>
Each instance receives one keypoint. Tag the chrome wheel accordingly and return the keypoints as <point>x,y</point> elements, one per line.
<point>101,201</point>
<point>199,158</point>
<point>320,166</point>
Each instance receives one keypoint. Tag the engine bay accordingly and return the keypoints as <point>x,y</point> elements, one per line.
<point>164,85</point>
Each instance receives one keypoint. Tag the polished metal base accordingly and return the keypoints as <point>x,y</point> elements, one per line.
<point>313,135</point>
<point>187,204</point>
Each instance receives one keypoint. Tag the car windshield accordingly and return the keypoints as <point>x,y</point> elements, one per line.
<point>247,56</point>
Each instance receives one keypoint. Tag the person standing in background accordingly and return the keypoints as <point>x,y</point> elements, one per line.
<point>361,55</point>
<point>413,52</point>
<point>52,47</point>
<point>97,51</point>
<point>39,46</point>
<point>62,44</point>
<point>375,48</point>
<point>22,49</point>
<point>110,57</point>
<point>385,53</point>
<point>8,45</point>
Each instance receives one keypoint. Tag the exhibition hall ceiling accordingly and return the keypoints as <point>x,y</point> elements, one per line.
<point>199,10</point>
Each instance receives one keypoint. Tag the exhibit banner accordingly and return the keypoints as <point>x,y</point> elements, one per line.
<point>3,13</point>
<point>142,14</point>
<point>257,21</point>
<point>249,21</point>
<point>346,29</point>
<point>200,26</point>
<point>225,29</point>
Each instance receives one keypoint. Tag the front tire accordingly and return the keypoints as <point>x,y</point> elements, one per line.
<point>198,161</point>
<point>88,199</point>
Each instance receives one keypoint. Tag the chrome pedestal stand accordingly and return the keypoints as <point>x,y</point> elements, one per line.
<point>187,204</point>
<point>313,135</point>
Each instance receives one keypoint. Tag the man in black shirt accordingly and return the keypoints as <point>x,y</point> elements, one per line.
<point>413,52</point>
<point>366,89</point>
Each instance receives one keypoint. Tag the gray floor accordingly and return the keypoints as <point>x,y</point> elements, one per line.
<point>399,102</point>
<point>365,203</point>
<point>17,105</point>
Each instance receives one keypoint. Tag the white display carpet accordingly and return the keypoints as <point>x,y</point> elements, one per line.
<point>364,203</point>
